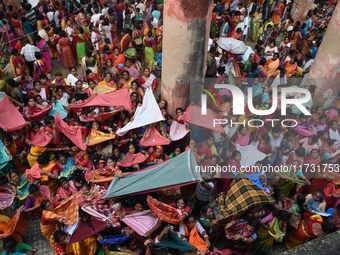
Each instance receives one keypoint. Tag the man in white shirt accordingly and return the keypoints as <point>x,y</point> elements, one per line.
<point>153,21</point>
<point>95,17</point>
<point>220,137</point>
<point>240,24</point>
<point>140,5</point>
<point>105,10</point>
<point>29,53</point>
<point>210,42</point>
<point>95,37</point>
<point>53,14</point>
<point>226,62</point>
<point>246,24</point>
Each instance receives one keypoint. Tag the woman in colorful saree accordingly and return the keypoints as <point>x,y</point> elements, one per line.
<point>255,24</point>
<point>208,149</point>
<point>332,193</point>
<point>241,137</point>
<point>45,52</point>
<point>131,68</point>
<point>80,18</point>
<point>241,234</point>
<point>61,244</point>
<point>158,155</point>
<point>270,233</point>
<point>148,80</point>
<point>12,149</point>
<point>272,64</point>
<point>19,188</point>
<point>74,76</point>
<point>332,151</point>
<point>66,57</point>
<point>277,14</point>
<point>108,82</point>
<point>44,170</point>
<point>51,218</point>
<point>8,32</point>
<point>89,196</point>
<point>105,175</point>
<point>81,38</point>
<point>307,42</point>
<point>40,67</point>
<point>135,87</point>
<point>125,81</point>
<point>111,69</point>
<point>192,232</point>
<point>33,201</point>
<point>89,62</point>
<point>131,51</point>
<point>18,66</point>
<point>312,226</point>
<point>150,50</point>
<point>64,191</point>
<point>17,24</point>
<point>291,67</point>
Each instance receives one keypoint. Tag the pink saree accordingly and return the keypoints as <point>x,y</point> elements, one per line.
<point>10,38</point>
<point>45,54</point>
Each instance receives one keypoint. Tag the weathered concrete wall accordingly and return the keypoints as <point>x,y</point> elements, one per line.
<point>185,40</point>
<point>300,9</point>
<point>327,245</point>
<point>327,61</point>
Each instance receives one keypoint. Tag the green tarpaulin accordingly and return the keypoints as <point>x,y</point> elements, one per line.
<point>176,172</point>
<point>170,240</point>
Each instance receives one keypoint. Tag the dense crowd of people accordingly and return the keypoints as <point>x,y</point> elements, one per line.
<point>61,141</point>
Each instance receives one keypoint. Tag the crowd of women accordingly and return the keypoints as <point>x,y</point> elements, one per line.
<point>61,180</point>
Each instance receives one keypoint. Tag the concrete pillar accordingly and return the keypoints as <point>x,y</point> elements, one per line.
<point>300,9</point>
<point>185,44</point>
<point>326,67</point>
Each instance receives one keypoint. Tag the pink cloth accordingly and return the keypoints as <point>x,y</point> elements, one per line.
<point>177,131</point>
<point>194,116</point>
<point>140,222</point>
<point>6,200</point>
<point>153,138</point>
<point>132,159</point>
<point>10,117</point>
<point>75,135</point>
<point>117,98</point>
<point>41,139</point>
<point>304,132</point>
<point>225,92</point>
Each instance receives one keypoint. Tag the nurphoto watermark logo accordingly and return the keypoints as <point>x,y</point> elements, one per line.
<point>238,104</point>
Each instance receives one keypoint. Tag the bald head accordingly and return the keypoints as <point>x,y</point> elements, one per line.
<point>252,57</point>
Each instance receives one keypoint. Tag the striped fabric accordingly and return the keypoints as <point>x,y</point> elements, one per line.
<point>141,222</point>
<point>105,212</point>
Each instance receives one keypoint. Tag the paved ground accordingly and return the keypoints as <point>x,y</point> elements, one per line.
<point>36,239</point>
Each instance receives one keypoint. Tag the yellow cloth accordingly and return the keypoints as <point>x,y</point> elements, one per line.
<point>99,137</point>
<point>102,89</point>
<point>85,247</point>
<point>34,153</point>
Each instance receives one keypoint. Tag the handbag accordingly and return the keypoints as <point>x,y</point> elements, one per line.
<point>138,40</point>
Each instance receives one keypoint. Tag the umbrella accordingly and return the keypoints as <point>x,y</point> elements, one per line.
<point>232,45</point>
